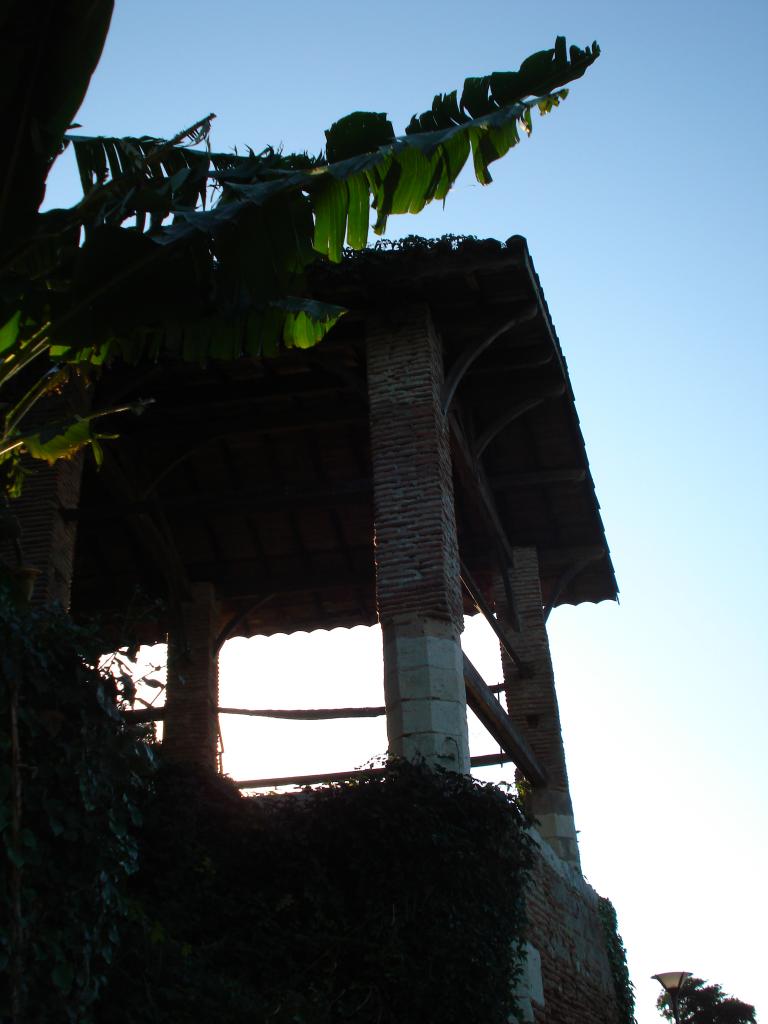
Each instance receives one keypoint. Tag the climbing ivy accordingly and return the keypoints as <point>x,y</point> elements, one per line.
<point>617,958</point>
<point>393,898</point>
<point>71,779</point>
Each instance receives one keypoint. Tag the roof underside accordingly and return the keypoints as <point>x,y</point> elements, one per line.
<point>256,475</point>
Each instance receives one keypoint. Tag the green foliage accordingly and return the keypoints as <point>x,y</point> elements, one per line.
<point>180,252</point>
<point>617,958</point>
<point>71,780</point>
<point>390,899</point>
<point>701,1003</point>
<point>539,74</point>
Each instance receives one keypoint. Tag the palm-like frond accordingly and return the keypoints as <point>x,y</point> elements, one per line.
<point>176,250</point>
<point>540,74</point>
<point>276,213</point>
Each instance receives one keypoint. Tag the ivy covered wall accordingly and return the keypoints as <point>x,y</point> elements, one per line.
<point>130,892</point>
<point>396,898</point>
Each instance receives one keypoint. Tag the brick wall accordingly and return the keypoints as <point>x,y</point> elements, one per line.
<point>417,555</point>
<point>418,588</point>
<point>48,540</point>
<point>575,984</point>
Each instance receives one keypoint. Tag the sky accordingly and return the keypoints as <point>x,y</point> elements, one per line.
<point>643,199</point>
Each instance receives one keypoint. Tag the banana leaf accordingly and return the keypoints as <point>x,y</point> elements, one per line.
<point>175,250</point>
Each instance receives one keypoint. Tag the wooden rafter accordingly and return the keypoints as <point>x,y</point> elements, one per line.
<point>471,352</point>
<point>152,537</point>
<point>249,498</point>
<point>536,478</point>
<point>514,413</point>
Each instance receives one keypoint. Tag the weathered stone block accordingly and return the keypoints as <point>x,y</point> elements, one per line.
<point>436,749</point>
<point>529,988</point>
<point>412,716</point>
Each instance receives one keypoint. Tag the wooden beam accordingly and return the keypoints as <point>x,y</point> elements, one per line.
<point>156,541</point>
<point>480,761</point>
<point>252,423</point>
<point>289,714</point>
<point>514,413</point>
<point>251,498</point>
<point>471,352</point>
<point>484,608</point>
<point>246,579</point>
<point>477,488</point>
<point>308,714</point>
<point>330,494</point>
<point>532,357</point>
<point>500,725</point>
<point>536,478</point>
<point>324,778</point>
<point>487,760</point>
<point>198,391</point>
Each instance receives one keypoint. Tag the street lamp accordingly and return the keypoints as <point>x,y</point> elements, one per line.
<point>672,983</point>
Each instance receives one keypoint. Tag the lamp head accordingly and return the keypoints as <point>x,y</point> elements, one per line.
<point>672,981</point>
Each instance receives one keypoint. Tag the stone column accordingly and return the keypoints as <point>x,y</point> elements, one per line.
<point>532,702</point>
<point>190,728</point>
<point>418,588</point>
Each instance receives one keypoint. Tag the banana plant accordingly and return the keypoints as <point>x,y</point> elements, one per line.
<point>176,251</point>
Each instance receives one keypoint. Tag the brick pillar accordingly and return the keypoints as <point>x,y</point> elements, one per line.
<point>47,539</point>
<point>417,564</point>
<point>532,702</point>
<point>190,729</point>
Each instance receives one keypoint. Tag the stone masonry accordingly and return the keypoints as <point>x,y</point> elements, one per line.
<point>532,701</point>
<point>418,588</point>
<point>568,977</point>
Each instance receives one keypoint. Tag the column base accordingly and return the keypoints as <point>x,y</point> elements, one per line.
<point>424,693</point>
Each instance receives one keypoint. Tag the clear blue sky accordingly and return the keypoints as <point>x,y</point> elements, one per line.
<point>643,199</point>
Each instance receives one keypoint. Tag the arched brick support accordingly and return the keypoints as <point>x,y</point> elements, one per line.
<point>418,589</point>
<point>532,701</point>
<point>190,729</point>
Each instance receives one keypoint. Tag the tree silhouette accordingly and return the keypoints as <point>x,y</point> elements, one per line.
<point>702,1003</point>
